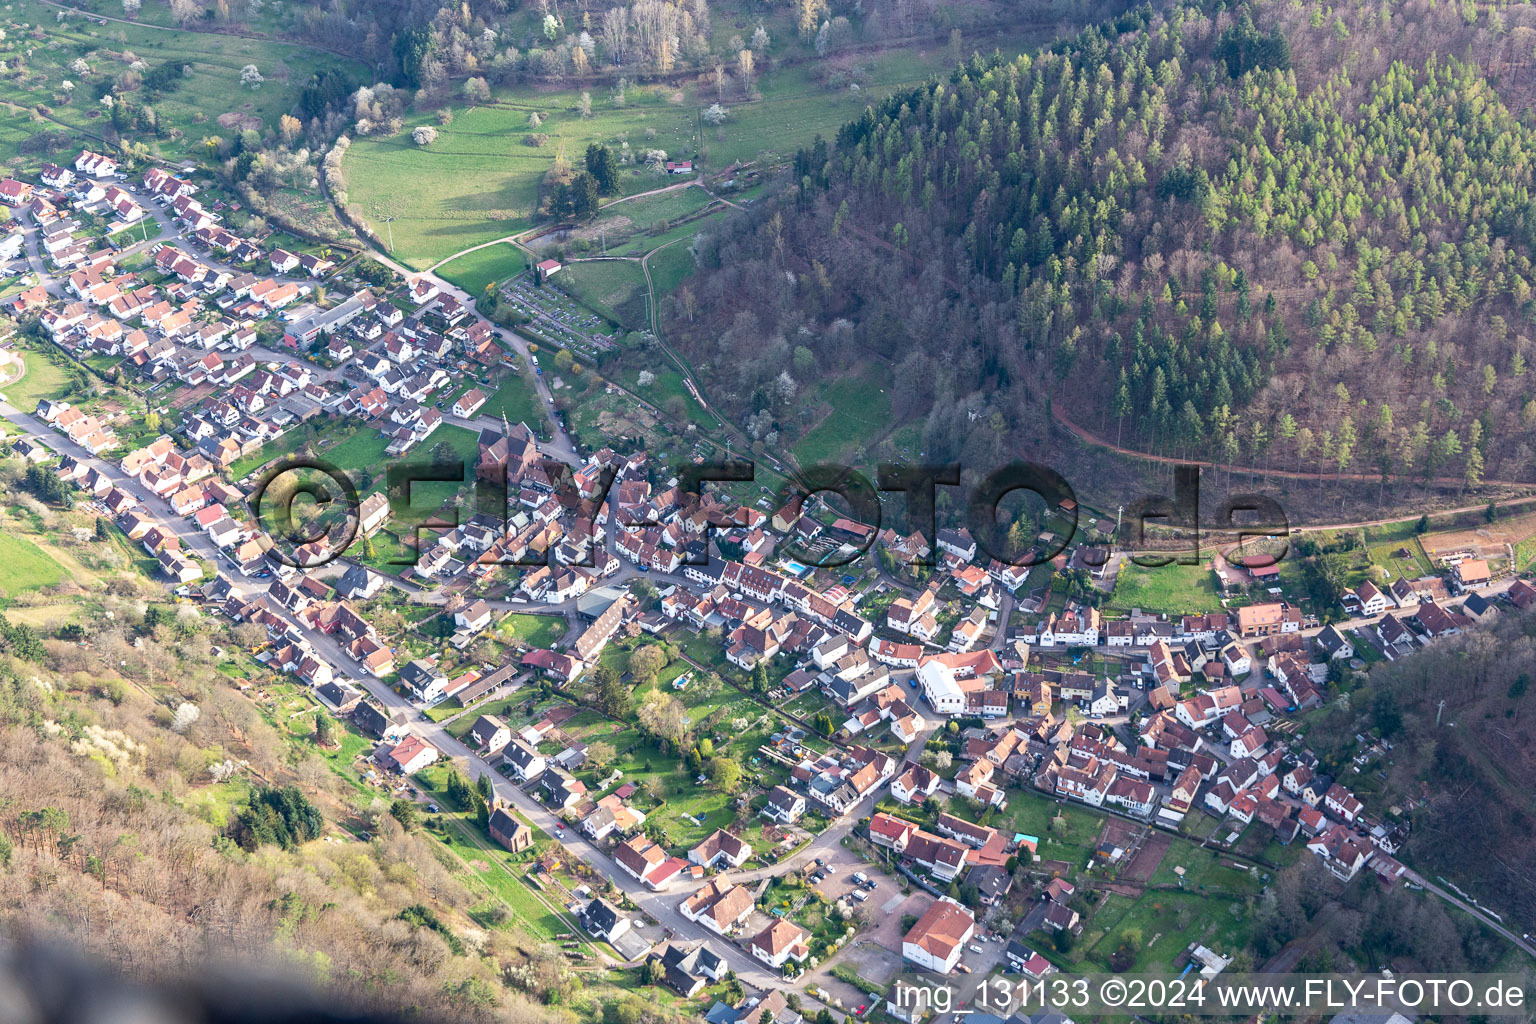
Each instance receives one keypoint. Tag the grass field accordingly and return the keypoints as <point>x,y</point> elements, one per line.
<point>1161,925</point>
<point>427,496</point>
<point>517,400</point>
<point>860,409</point>
<point>25,566</point>
<point>1066,831</point>
<point>46,377</point>
<point>1169,588</point>
<point>671,266</point>
<point>668,393</point>
<point>476,271</point>
<point>481,180</point>
<point>613,288</point>
<point>534,630</point>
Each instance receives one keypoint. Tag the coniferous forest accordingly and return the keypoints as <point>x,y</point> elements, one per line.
<point>1278,235</point>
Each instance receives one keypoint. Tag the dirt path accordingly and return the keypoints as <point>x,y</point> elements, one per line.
<point>1089,437</point>
<point>517,238</point>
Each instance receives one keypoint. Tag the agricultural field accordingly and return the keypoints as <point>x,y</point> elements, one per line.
<point>209,101</point>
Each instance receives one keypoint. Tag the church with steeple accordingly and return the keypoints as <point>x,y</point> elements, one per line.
<point>507,455</point>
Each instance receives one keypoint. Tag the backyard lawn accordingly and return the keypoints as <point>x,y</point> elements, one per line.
<point>539,631</point>
<point>1072,837</point>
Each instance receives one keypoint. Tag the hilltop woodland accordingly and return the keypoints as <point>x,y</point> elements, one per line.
<point>1279,235</point>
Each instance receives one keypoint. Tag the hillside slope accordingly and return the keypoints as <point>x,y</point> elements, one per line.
<point>1283,236</point>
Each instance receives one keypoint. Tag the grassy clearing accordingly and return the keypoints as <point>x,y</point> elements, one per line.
<point>516,400</point>
<point>1161,925</point>
<point>860,408</point>
<point>613,288</point>
<point>481,179</point>
<point>1202,870</point>
<point>476,271</point>
<point>25,566</point>
<point>671,266</point>
<point>46,377</point>
<point>668,393</point>
<point>1169,588</point>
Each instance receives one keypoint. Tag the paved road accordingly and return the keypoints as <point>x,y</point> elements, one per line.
<point>192,539</point>
<point>561,445</point>
<point>1477,912</point>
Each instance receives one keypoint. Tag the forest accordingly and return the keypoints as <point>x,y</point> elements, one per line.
<point>1278,235</point>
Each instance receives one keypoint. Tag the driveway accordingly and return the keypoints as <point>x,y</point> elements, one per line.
<point>888,929</point>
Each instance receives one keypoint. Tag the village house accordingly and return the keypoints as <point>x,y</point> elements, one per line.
<point>938,938</point>
<point>781,942</point>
